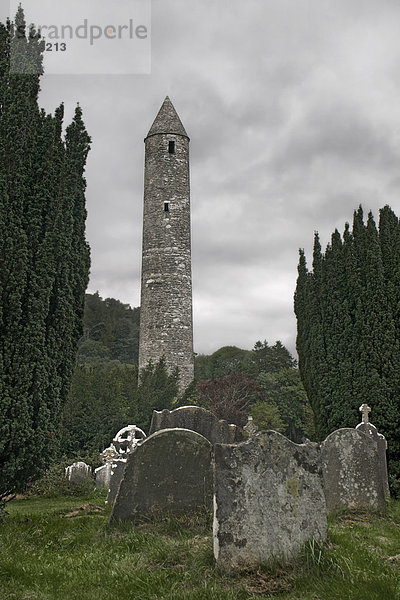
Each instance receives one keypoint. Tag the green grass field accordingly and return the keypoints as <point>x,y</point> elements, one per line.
<point>50,551</point>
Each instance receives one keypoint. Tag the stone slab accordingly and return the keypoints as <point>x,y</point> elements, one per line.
<point>268,500</point>
<point>117,472</point>
<point>102,476</point>
<point>169,472</point>
<point>195,418</point>
<point>350,465</point>
<point>380,439</point>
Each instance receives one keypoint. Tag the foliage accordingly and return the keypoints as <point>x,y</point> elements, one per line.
<point>269,373</point>
<point>229,397</point>
<point>222,362</point>
<point>99,403</point>
<point>348,315</point>
<point>111,331</point>
<point>269,359</point>
<point>284,390</point>
<point>228,359</point>
<point>173,558</point>
<point>106,397</point>
<point>53,483</point>
<point>44,258</point>
<point>157,390</point>
<point>266,416</point>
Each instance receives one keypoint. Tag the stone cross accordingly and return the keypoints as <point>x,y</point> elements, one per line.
<point>364,410</point>
<point>109,454</point>
<point>250,428</point>
<point>125,440</point>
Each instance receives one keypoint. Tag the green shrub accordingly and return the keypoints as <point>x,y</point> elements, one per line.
<point>54,483</point>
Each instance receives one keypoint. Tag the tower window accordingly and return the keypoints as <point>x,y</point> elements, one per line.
<point>171,147</point>
<point>166,206</point>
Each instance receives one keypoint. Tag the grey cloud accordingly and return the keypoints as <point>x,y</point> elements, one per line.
<point>291,108</point>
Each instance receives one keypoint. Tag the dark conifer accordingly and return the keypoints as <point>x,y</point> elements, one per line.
<point>45,261</point>
<point>348,329</point>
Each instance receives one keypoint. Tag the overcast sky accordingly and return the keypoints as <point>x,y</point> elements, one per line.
<point>293,110</point>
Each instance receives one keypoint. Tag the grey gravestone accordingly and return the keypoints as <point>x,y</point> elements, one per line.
<point>268,501</point>
<point>366,427</point>
<point>77,472</point>
<point>117,472</point>
<point>350,465</point>
<point>169,472</point>
<point>102,476</point>
<point>195,418</point>
<point>381,442</point>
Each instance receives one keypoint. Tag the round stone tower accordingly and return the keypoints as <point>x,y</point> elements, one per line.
<point>166,328</point>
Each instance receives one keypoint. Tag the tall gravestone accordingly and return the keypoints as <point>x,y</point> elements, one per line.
<point>195,418</point>
<point>350,465</point>
<point>268,500</point>
<point>366,427</point>
<point>169,472</point>
<point>117,473</point>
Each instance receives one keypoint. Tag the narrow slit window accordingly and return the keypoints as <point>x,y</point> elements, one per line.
<point>171,147</point>
<point>166,206</point>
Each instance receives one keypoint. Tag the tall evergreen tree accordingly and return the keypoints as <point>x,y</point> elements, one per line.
<point>45,258</point>
<point>348,335</point>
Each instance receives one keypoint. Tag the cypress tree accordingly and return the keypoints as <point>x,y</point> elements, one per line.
<point>45,258</point>
<point>348,329</point>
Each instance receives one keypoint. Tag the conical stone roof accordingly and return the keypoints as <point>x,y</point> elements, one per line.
<point>167,121</point>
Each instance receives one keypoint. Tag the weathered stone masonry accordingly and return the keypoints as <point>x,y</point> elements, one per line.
<point>166,294</point>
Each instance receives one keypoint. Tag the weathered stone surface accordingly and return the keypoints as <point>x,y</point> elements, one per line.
<point>78,471</point>
<point>166,328</point>
<point>118,468</point>
<point>381,442</point>
<point>268,500</point>
<point>351,473</point>
<point>195,418</point>
<point>167,473</point>
<point>103,476</point>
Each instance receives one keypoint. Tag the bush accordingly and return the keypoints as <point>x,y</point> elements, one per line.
<point>54,483</point>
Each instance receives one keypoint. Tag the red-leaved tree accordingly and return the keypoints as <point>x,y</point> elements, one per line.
<point>229,397</point>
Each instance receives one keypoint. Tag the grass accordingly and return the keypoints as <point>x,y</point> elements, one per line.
<point>53,549</point>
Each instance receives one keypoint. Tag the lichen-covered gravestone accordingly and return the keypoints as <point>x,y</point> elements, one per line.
<point>352,477</point>
<point>169,472</point>
<point>268,500</point>
<point>366,427</point>
<point>198,419</point>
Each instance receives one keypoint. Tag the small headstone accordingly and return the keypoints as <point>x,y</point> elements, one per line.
<point>103,473</point>
<point>167,473</point>
<point>102,476</point>
<point>350,466</point>
<point>268,500</point>
<point>77,472</point>
<point>366,427</point>
<point>195,418</point>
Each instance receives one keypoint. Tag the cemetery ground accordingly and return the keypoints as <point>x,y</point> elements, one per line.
<point>63,548</point>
